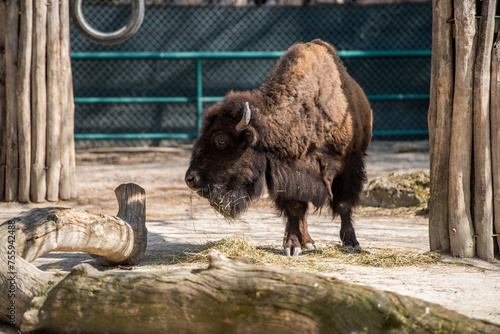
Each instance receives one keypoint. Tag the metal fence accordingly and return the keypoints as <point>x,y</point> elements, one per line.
<point>152,89</point>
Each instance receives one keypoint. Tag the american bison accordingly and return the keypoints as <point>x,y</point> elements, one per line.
<point>303,134</point>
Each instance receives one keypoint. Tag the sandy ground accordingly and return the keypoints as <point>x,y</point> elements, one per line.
<point>176,218</point>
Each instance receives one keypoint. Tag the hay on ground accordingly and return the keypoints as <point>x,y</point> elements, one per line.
<point>319,260</point>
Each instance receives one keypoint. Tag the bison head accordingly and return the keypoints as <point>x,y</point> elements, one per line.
<point>226,165</point>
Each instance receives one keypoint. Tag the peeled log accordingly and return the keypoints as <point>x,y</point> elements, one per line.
<point>111,240</point>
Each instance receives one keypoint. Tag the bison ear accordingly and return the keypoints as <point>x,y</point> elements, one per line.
<point>247,138</point>
<point>245,119</point>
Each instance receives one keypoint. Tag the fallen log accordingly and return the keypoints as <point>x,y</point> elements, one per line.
<point>229,296</point>
<point>110,240</point>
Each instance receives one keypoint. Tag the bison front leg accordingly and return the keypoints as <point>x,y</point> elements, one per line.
<point>296,232</point>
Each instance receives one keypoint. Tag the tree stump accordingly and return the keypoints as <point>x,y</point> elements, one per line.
<point>36,102</point>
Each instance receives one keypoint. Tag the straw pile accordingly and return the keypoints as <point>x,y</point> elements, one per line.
<point>319,260</point>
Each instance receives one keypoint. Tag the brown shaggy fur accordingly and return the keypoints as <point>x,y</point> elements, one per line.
<point>308,133</point>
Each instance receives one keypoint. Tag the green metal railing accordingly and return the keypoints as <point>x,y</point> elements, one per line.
<point>200,98</point>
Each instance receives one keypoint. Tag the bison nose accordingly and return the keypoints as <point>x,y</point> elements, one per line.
<point>193,179</point>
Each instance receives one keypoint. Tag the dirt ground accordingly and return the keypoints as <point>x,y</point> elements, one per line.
<point>177,219</point>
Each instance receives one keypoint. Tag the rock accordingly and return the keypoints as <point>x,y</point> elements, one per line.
<point>397,189</point>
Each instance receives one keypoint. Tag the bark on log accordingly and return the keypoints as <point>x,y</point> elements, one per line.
<point>440,124</point>
<point>495,132</point>
<point>229,297</point>
<point>23,95</point>
<point>460,221</point>
<point>53,101</point>
<point>11,147</point>
<point>3,107</point>
<point>483,185</point>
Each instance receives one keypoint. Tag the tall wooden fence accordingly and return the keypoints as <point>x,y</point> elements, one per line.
<point>36,102</point>
<point>464,129</point>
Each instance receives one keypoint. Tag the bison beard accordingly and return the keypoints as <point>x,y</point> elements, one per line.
<point>303,134</point>
<point>231,202</point>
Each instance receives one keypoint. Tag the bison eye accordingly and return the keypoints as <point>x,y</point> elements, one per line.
<point>221,141</point>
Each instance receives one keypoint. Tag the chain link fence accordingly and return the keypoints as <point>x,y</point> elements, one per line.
<point>123,99</point>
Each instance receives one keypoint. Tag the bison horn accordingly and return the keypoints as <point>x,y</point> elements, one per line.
<point>245,119</point>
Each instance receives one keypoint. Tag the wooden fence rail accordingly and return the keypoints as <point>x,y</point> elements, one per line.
<point>464,122</point>
<point>36,102</point>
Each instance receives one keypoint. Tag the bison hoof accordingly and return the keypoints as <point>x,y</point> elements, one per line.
<point>356,249</point>
<point>309,246</point>
<point>296,251</point>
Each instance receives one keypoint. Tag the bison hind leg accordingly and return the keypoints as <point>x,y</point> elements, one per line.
<point>346,189</point>
<point>347,233</point>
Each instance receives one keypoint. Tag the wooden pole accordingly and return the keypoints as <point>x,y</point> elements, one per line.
<point>39,104</point>
<point>66,105</point>
<point>71,134</point>
<point>495,132</point>
<point>53,101</point>
<point>11,144</point>
<point>440,124</point>
<point>36,102</point>
<point>3,106</point>
<point>24,99</point>
<point>483,188</point>
<point>460,221</point>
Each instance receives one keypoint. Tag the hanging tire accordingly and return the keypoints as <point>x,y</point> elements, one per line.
<point>108,38</point>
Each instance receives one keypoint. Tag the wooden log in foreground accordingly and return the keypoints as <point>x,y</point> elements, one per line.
<point>230,296</point>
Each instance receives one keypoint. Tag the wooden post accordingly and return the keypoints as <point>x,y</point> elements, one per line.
<point>67,106</point>
<point>460,220</point>
<point>53,101</point>
<point>471,208</point>
<point>440,124</point>
<point>495,132</point>
<point>3,106</point>
<point>23,99</point>
<point>11,147</point>
<point>39,103</point>
<point>37,160</point>
<point>483,192</point>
